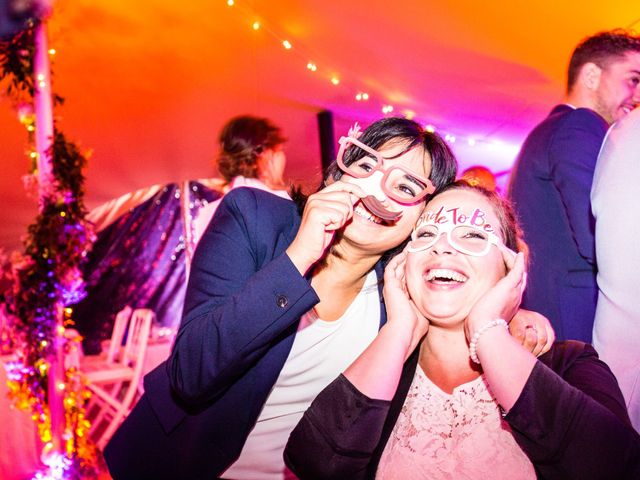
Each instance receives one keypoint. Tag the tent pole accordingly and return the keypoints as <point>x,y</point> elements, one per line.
<point>44,139</point>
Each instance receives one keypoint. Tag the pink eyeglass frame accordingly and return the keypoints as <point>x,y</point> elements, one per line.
<point>344,144</point>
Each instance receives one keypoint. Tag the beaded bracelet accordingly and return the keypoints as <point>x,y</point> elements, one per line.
<point>473,344</point>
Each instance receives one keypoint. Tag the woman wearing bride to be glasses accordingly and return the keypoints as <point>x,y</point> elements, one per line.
<point>445,392</point>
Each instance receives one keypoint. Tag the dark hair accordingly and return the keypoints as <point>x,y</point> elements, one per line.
<point>601,49</point>
<point>242,140</point>
<point>443,163</point>
<point>509,227</point>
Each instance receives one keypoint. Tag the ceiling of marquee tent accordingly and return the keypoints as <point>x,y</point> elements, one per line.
<point>148,84</point>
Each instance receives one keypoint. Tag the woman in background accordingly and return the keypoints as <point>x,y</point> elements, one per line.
<point>251,155</point>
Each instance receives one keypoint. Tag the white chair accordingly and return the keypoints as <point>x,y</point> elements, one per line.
<point>113,349</point>
<point>114,385</point>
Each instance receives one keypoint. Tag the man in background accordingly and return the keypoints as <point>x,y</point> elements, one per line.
<point>614,198</point>
<point>552,177</point>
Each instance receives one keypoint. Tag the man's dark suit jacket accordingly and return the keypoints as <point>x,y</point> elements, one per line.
<point>550,188</point>
<point>244,301</point>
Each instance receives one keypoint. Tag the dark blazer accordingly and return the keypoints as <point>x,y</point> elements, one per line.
<point>244,301</point>
<point>570,420</point>
<point>550,187</point>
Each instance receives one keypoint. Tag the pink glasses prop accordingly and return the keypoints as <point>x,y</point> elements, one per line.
<point>398,183</point>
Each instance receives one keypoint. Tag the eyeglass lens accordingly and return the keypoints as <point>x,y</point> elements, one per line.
<point>463,238</point>
<point>399,183</point>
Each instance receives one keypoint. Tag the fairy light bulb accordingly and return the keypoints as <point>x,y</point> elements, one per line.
<point>312,66</point>
<point>287,44</point>
<point>335,80</point>
<point>231,3</point>
<point>430,128</point>
<point>256,25</point>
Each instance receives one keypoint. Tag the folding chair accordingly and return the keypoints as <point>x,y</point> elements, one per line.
<point>114,385</point>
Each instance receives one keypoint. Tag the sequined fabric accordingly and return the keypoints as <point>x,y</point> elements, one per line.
<point>139,260</point>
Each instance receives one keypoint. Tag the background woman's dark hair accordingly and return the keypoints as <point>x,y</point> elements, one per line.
<point>242,140</point>
<point>509,226</point>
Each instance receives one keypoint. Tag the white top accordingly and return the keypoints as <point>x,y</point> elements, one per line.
<point>321,351</point>
<point>615,201</point>
<point>452,436</point>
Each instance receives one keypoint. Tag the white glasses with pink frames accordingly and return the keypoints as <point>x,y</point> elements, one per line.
<point>398,183</point>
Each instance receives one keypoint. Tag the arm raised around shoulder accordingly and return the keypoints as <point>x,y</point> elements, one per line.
<point>243,293</point>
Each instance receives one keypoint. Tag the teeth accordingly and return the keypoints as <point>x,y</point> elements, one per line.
<point>361,212</point>
<point>445,273</point>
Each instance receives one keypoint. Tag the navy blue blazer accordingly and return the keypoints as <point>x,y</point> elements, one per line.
<point>550,187</point>
<point>244,301</point>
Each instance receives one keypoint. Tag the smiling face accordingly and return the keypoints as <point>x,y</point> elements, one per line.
<point>369,230</point>
<point>443,282</point>
<point>618,89</point>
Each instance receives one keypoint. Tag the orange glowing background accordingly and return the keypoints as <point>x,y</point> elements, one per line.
<point>148,84</point>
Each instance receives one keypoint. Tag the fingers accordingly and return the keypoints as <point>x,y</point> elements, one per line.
<point>347,187</point>
<point>331,209</point>
<point>533,331</point>
<point>516,277</point>
<point>536,340</point>
<point>542,340</point>
<point>394,271</point>
<point>508,255</point>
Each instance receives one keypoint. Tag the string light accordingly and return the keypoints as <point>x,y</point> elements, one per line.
<point>409,114</point>
<point>52,51</point>
<point>335,79</point>
<point>41,82</point>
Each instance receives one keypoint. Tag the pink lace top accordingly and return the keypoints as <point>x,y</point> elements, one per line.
<point>454,436</point>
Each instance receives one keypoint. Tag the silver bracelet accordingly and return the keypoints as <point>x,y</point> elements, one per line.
<point>473,344</point>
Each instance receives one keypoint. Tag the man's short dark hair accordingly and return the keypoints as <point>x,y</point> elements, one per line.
<point>601,49</point>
